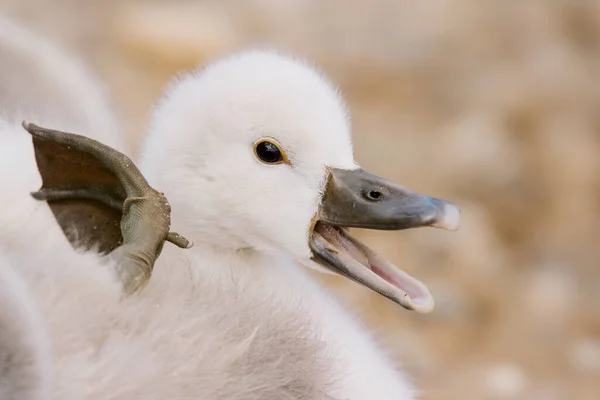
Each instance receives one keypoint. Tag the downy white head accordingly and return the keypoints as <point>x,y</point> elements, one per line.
<point>254,153</point>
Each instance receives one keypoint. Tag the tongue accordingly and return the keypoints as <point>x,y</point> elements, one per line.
<point>340,242</point>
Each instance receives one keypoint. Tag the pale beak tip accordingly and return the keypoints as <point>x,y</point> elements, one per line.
<point>449,217</point>
<point>423,304</point>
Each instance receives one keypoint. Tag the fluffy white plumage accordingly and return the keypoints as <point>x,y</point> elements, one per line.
<point>24,342</point>
<point>235,317</point>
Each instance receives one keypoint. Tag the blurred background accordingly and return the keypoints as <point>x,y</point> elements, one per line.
<point>491,104</point>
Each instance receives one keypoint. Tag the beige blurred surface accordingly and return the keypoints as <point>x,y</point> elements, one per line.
<point>492,104</point>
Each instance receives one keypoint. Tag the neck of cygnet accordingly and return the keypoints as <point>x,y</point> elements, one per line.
<point>220,244</point>
<point>228,258</point>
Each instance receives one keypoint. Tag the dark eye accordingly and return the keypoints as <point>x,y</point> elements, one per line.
<point>268,152</point>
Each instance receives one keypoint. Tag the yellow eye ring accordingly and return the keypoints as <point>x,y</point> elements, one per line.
<point>269,152</point>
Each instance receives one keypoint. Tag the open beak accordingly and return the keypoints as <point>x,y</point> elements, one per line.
<point>356,198</point>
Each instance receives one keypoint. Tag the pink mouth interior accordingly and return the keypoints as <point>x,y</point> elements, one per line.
<point>343,242</point>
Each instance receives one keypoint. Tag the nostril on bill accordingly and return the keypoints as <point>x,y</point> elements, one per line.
<point>373,195</point>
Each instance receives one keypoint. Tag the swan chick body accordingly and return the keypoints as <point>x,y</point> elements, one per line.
<point>250,221</point>
<point>236,316</point>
